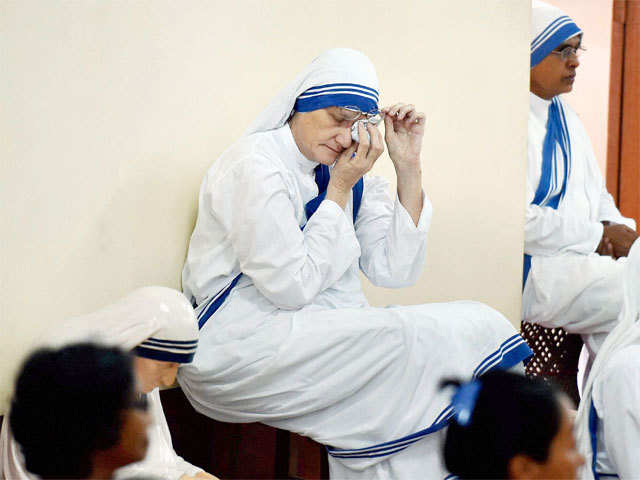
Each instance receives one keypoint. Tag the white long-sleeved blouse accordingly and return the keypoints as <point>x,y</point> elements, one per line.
<point>251,210</point>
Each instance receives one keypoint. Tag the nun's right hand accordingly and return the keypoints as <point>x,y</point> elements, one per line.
<point>353,163</point>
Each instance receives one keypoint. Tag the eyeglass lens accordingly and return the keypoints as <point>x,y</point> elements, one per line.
<point>566,52</point>
<point>353,113</point>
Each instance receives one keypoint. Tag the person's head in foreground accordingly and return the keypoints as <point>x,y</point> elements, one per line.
<point>509,426</point>
<point>556,44</point>
<point>76,412</point>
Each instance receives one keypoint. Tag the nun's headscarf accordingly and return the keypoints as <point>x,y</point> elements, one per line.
<point>339,77</point>
<point>155,322</point>
<point>550,26</point>
<point>626,332</point>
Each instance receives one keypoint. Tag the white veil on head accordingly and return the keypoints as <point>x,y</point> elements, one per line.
<point>158,322</point>
<point>626,332</point>
<point>550,26</point>
<point>337,77</point>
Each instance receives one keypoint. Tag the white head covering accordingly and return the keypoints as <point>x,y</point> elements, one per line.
<point>626,332</point>
<point>550,26</point>
<point>338,77</point>
<point>156,322</point>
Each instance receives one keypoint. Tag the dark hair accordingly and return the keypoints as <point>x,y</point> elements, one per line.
<point>68,404</point>
<point>513,415</point>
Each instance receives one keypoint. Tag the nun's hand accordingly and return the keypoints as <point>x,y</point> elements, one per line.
<point>403,132</point>
<point>621,238</point>
<point>353,163</point>
<point>201,475</point>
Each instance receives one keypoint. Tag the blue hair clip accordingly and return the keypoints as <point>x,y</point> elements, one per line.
<point>464,401</point>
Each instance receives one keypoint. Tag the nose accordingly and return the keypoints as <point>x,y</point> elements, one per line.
<point>344,137</point>
<point>573,61</point>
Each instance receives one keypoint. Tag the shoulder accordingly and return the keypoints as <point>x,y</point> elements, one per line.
<point>573,119</point>
<point>622,369</point>
<point>251,156</point>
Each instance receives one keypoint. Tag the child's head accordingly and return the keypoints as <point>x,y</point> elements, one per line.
<point>510,426</point>
<point>76,413</point>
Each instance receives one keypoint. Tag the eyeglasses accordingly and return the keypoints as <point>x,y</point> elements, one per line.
<point>568,51</point>
<point>351,114</point>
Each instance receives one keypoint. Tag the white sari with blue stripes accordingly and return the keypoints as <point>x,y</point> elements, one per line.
<point>315,358</point>
<point>294,342</point>
<point>608,420</point>
<point>568,285</point>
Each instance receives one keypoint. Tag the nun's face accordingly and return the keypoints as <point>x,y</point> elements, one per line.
<point>321,135</point>
<point>154,373</point>
<point>553,75</point>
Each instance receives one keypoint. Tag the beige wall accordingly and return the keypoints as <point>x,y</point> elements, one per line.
<point>112,112</point>
<point>590,96</point>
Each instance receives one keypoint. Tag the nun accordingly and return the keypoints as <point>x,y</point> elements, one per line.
<point>158,326</point>
<point>608,419</point>
<point>576,240</point>
<point>288,218</point>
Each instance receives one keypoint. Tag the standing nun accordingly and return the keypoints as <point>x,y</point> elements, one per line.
<point>287,219</point>
<point>159,327</point>
<point>608,419</point>
<point>574,233</point>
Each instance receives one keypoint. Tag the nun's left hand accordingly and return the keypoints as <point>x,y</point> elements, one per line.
<point>403,132</point>
<point>404,129</point>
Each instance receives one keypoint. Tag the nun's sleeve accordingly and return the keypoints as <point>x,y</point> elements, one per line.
<point>620,412</point>
<point>258,206</point>
<point>609,212</point>
<point>549,232</point>
<point>393,247</point>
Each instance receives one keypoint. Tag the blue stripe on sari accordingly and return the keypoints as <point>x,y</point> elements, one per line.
<point>511,352</point>
<point>547,193</point>
<point>322,180</point>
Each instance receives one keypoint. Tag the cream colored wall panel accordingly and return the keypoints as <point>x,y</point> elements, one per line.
<point>112,111</point>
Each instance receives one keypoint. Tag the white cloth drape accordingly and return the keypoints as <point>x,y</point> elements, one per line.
<point>569,285</point>
<point>613,386</point>
<point>295,345</point>
<point>335,66</point>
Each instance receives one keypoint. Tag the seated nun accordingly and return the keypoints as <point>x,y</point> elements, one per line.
<point>506,425</point>
<point>76,412</point>
<point>159,327</point>
<point>287,219</point>
<point>576,240</point>
<point>609,415</point>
